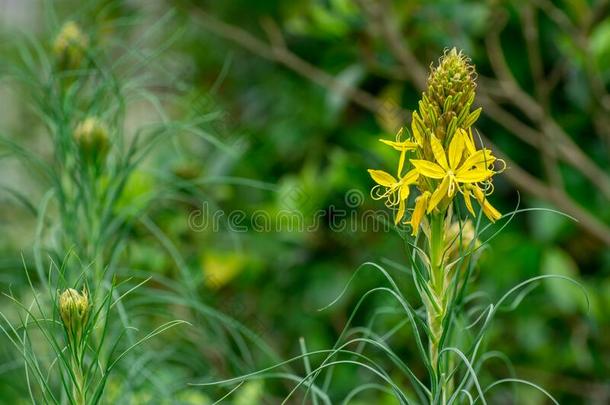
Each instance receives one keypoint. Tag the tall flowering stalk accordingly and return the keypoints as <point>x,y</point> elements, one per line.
<point>81,102</point>
<point>443,164</point>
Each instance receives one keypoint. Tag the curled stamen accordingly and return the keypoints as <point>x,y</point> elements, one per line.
<point>503,164</point>
<point>399,135</point>
<point>376,194</point>
<point>393,199</point>
<point>486,185</point>
<point>490,190</point>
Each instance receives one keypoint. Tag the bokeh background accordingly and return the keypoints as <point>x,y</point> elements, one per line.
<point>297,93</point>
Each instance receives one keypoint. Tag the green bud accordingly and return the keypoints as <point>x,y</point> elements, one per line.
<point>449,95</point>
<point>91,135</point>
<point>74,311</point>
<point>70,45</point>
<point>187,171</point>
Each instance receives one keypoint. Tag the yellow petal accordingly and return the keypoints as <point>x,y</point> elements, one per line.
<point>439,152</point>
<point>438,194</point>
<point>478,193</point>
<point>456,148</point>
<point>491,213</point>
<point>400,213</point>
<point>488,209</point>
<point>400,146</point>
<point>452,187</point>
<point>468,202</point>
<point>473,176</point>
<point>416,134</point>
<point>468,141</point>
<point>410,177</point>
<point>418,213</point>
<point>479,158</point>
<point>382,178</point>
<point>428,169</point>
<point>401,162</point>
<point>404,191</point>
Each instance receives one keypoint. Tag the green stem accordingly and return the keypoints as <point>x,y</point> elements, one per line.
<point>437,313</point>
<point>78,387</point>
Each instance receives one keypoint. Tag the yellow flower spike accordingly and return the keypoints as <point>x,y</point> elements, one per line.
<point>449,162</point>
<point>421,203</point>
<point>444,148</point>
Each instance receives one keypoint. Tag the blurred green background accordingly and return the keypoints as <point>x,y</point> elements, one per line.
<point>299,92</point>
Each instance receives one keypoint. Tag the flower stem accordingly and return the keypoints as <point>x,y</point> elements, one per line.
<point>78,387</point>
<point>437,313</point>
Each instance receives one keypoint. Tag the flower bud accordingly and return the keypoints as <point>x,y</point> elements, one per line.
<point>91,135</point>
<point>74,311</point>
<point>69,46</point>
<point>460,240</point>
<point>449,95</point>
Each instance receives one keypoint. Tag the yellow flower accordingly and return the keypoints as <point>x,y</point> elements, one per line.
<point>421,203</point>
<point>473,169</point>
<point>488,209</point>
<point>393,190</point>
<point>403,147</point>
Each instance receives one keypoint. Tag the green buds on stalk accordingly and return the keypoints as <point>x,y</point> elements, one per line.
<point>74,308</point>
<point>445,105</point>
<point>70,45</point>
<point>91,135</point>
<point>460,241</point>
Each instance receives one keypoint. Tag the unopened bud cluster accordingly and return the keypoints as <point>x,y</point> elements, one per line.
<point>91,135</point>
<point>445,105</point>
<point>70,46</point>
<point>74,310</point>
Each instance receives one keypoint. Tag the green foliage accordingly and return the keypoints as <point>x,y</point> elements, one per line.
<point>196,120</point>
